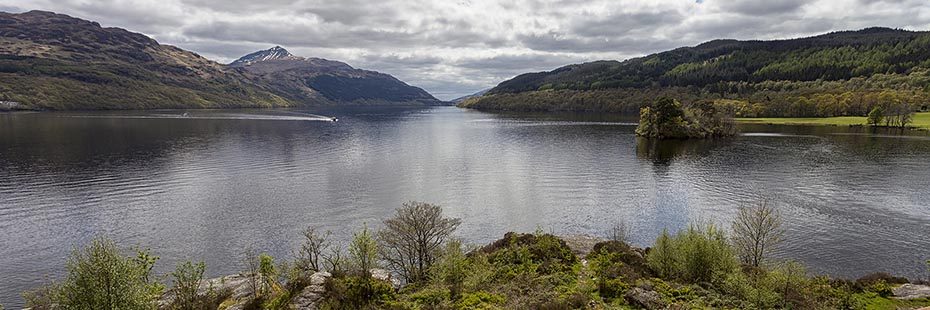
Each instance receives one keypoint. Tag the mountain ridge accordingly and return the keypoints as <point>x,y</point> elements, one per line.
<point>51,61</point>
<point>772,74</point>
<point>328,81</point>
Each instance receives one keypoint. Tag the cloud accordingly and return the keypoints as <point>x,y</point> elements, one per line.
<point>454,48</point>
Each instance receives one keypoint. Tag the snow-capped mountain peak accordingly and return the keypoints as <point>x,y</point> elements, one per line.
<point>274,53</point>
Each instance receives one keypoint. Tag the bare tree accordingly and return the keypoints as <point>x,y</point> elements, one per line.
<point>335,261</point>
<point>309,257</point>
<point>412,239</point>
<point>252,265</point>
<point>621,232</point>
<point>756,232</point>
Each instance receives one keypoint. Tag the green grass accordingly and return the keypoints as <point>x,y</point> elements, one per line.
<point>921,120</point>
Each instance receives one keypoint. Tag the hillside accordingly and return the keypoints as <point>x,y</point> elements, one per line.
<point>322,81</point>
<point>54,61</point>
<point>849,70</point>
<point>51,61</point>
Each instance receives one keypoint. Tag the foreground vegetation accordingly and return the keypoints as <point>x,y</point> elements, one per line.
<point>702,266</point>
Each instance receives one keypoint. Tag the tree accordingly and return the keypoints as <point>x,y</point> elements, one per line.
<point>187,278</point>
<point>99,277</point>
<point>452,269</point>
<point>252,272</point>
<point>756,232</point>
<point>662,257</point>
<point>412,239</point>
<point>363,252</point>
<point>876,116</point>
<point>311,251</point>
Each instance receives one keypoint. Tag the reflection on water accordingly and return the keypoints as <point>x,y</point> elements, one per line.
<point>206,185</point>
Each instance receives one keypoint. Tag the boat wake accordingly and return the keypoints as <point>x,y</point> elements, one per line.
<point>277,116</point>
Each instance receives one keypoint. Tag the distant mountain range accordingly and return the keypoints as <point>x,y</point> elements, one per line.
<point>54,61</point>
<point>466,97</point>
<point>769,77</point>
<point>324,81</point>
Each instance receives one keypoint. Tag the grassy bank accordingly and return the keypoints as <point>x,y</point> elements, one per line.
<point>921,120</point>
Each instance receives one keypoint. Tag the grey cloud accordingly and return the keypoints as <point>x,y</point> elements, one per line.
<point>618,25</point>
<point>757,8</point>
<point>456,48</point>
<point>554,41</point>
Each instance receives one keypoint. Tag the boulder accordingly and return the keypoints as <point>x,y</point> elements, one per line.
<point>310,297</point>
<point>645,298</point>
<point>911,291</point>
<point>238,286</point>
<point>386,276</point>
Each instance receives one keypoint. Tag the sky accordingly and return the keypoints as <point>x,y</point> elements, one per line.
<point>453,48</point>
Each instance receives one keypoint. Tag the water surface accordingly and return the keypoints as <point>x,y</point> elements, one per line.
<point>206,185</point>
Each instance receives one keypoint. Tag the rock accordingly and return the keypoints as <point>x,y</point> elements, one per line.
<point>644,298</point>
<point>238,285</point>
<point>911,291</point>
<point>581,245</point>
<point>310,296</point>
<point>386,276</point>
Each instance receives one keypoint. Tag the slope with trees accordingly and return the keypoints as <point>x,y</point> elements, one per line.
<point>836,74</point>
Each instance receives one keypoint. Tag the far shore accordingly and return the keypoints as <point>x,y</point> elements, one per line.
<point>921,121</point>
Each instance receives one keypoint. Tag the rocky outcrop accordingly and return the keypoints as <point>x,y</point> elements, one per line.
<point>237,286</point>
<point>310,297</point>
<point>911,291</point>
<point>645,298</point>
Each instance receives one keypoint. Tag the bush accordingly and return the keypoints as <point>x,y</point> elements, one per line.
<point>187,278</point>
<point>613,264</point>
<point>356,292</point>
<point>99,277</point>
<point>697,254</point>
<point>363,252</point>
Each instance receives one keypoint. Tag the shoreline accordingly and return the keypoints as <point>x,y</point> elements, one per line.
<point>921,121</point>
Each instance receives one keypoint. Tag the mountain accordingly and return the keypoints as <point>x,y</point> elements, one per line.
<point>274,53</point>
<point>466,97</point>
<point>322,81</point>
<point>54,61</point>
<point>760,78</point>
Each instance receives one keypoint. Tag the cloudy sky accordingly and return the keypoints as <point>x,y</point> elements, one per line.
<point>457,47</point>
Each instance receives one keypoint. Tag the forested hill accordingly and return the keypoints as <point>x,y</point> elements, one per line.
<point>858,62</point>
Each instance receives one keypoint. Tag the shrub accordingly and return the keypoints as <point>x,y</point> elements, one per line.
<point>614,276</point>
<point>543,253</point>
<point>452,269</point>
<point>99,277</point>
<point>697,254</point>
<point>412,239</point>
<point>363,252</point>
<point>480,300</point>
<point>356,292</point>
<point>187,278</point>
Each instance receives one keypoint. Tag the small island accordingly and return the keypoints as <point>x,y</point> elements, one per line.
<point>666,118</point>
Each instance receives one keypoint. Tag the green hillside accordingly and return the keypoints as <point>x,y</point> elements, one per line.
<point>836,74</point>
